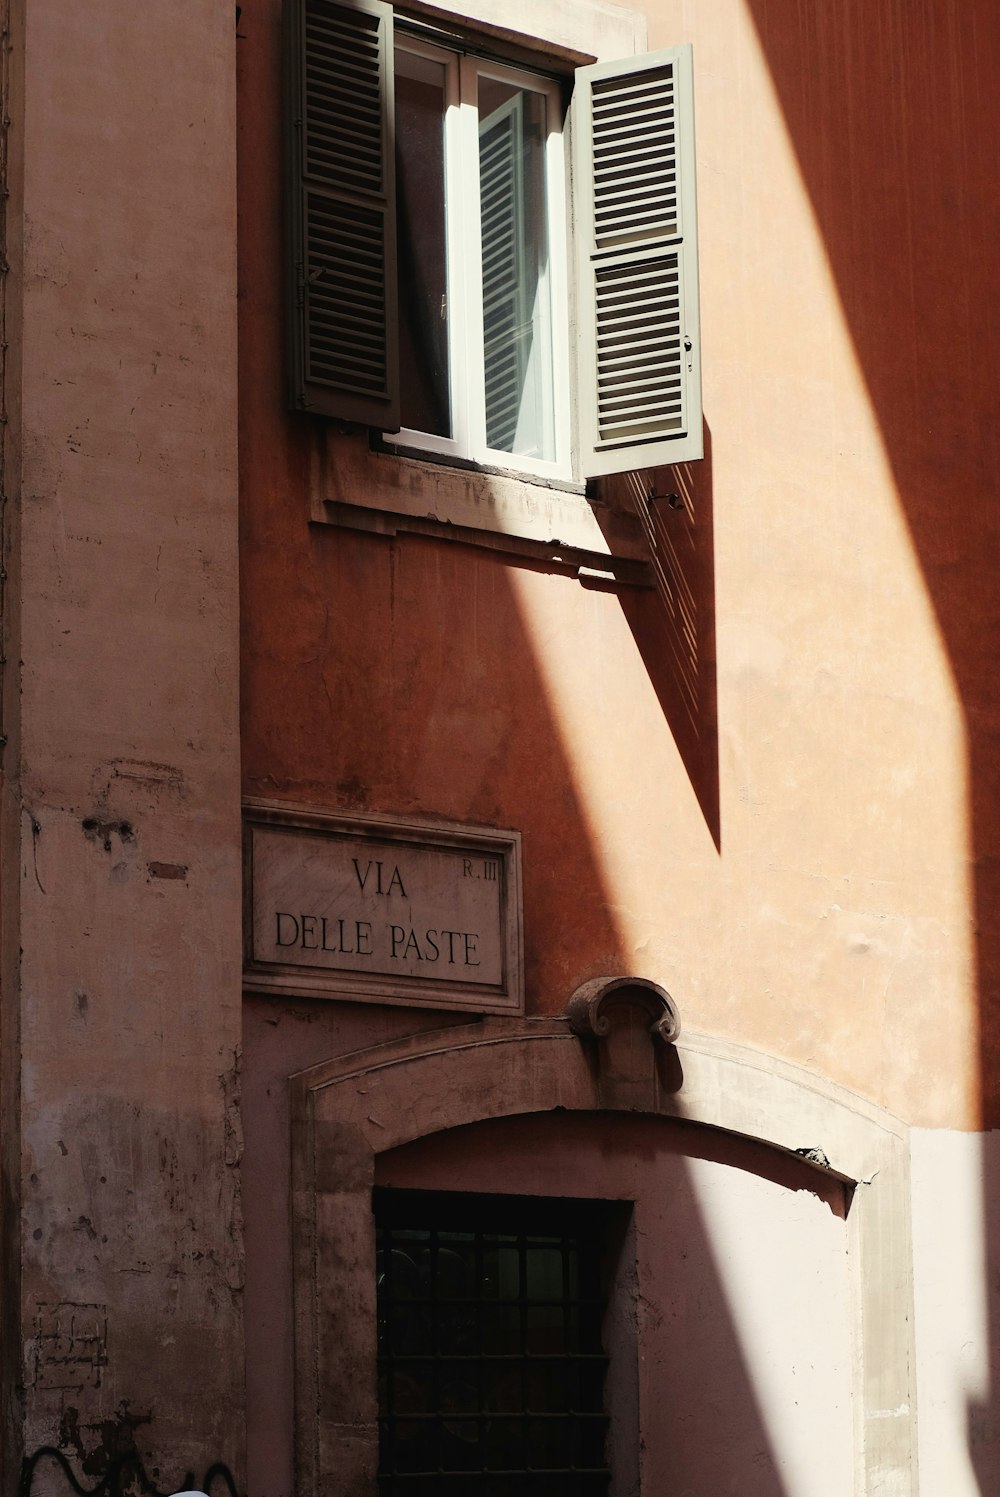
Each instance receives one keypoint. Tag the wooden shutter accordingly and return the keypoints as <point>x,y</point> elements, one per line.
<point>637,269</point>
<point>344,352</point>
<point>506,315</point>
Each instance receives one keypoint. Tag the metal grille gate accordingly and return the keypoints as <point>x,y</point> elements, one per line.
<point>490,1362</point>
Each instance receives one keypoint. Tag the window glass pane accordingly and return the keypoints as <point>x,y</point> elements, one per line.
<point>516,296</point>
<point>420,220</point>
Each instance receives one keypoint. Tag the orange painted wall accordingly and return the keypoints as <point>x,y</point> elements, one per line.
<point>771,785</point>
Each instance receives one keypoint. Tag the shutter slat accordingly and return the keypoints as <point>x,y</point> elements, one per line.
<point>635,318</point>
<point>653,117</point>
<point>614,394</point>
<point>629,300</point>
<point>635,409</point>
<point>657,360</point>
<point>616,91</point>
<point>655,180</point>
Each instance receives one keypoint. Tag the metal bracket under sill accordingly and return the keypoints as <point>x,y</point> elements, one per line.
<point>593,569</point>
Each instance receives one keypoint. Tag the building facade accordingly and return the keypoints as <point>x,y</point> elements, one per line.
<point>497,937</point>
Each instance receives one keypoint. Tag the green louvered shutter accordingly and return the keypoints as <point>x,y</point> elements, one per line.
<point>506,317</point>
<point>343,346</point>
<point>637,268</point>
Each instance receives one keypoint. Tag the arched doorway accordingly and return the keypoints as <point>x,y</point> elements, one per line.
<point>355,1117</point>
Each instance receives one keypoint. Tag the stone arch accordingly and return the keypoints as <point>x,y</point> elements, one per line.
<point>348,1110</point>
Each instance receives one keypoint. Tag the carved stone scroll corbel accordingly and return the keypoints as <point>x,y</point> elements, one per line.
<point>590,1011</point>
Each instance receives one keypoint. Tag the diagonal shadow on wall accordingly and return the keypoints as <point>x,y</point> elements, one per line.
<point>673,623</point>
<point>891,110</point>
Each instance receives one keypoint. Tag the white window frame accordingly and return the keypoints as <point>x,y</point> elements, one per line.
<point>466,351</point>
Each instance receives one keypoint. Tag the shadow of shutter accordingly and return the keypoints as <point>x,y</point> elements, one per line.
<point>343,345</point>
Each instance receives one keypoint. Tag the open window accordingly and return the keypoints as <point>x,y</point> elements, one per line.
<point>439,283</point>
<point>480,235</point>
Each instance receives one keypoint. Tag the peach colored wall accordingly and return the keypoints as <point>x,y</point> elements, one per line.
<point>779,829</point>
<point>868,309</point>
<point>121,865</point>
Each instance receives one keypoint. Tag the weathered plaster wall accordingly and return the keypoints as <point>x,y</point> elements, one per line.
<point>755,789</point>
<point>121,791</point>
<point>279,1040</point>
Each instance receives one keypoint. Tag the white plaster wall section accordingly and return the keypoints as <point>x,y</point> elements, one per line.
<point>956,1232</point>
<point>783,1263</point>
<point>750,1093</point>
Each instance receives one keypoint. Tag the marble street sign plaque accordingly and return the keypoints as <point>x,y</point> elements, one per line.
<point>394,913</point>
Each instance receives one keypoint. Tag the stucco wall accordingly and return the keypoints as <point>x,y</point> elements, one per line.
<point>771,785</point>
<point>121,815</point>
<point>764,785</point>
